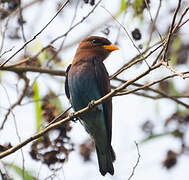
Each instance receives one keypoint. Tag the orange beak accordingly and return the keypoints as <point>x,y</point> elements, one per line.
<point>110,47</point>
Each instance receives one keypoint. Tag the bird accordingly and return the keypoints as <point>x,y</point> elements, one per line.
<point>87,80</point>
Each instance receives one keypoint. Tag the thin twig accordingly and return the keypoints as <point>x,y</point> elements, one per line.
<point>137,162</point>
<point>17,133</point>
<point>21,21</point>
<point>84,18</point>
<point>159,96</point>
<point>59,37</point>
<point>123,18</point>
<point>22,95</point>
<point>76,114</point>
<point>29,41</point>
<point>61,116</point>
<point>173,70</point>
<point>3,37</point>
<point>63,41</point>
<point>178,25</point>
<point>5,52</point>
<point>153,22</point>
<point>184,23</point>
<point>135,60</point>
<point>160,92</point>
<point>138,58</point>
<point>125,30</point>
<point>171,28</point>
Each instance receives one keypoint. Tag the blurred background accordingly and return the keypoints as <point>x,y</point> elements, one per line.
<point>35,53</point>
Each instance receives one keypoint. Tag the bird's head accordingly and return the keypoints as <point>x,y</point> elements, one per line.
<point>95,46</point>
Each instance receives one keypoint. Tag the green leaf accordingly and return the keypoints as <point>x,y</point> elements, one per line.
<point>176,45</point>
<point>173,90</point>
<point>123,7</point>
<point>36,47</point>
<point>38,108</point>
<point>138,8</point>
<point>184,112</point>
<point>19,171</point>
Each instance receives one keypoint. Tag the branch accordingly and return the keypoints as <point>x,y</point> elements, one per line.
<point>160,92</point>
<point>136,60</point>
<point>85,17</point>
<point>57,38</point>
<point>33,69</point>
<point>76,114</point>
<point>125,30</point>
<point>173,70</point>
<point>137,162</point>
<point>159,96</point>
<point>153,26</point>
<point>29,41</point>
<point>164,42</point>
<point>18,102</point>
<point>171,29</point>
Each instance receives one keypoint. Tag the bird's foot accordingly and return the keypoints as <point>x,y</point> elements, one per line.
<point>91,104</point>
<point>74,119</point>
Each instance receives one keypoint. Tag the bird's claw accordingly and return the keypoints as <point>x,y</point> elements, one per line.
<point>74,119</point>
<point>91,104</point>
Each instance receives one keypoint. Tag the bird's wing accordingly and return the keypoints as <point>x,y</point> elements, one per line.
<point>103,83</point>
<point>66,82</point>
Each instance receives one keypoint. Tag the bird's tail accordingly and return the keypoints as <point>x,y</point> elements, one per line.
<point>105,161</point>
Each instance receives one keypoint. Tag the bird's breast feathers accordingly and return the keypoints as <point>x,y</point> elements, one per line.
<point>83,85</point>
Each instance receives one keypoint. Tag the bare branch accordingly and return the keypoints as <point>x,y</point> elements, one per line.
<point>160,92</point>
<point>34,69</point>
<point>125,30</point>
<point>29,41</point>
<point>153,26</point>
<point>173,70</point>
<point>17,133</point>
<point>136,60</point>
<point>3,37</point>
<point>18,101</point>
<point>21,21</point>
<point>137,162</point>
<point>83,19</point>
<point>171,29</point>
<point>76,114</point>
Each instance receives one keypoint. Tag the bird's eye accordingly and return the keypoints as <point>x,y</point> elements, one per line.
<point>96,41</point>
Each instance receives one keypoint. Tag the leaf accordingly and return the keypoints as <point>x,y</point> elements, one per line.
<point>176,45</point>
<point>38,108</point>
<point>19,171</point>
<point>36,47</point>
<point>173,90</point>
<point>123,7</point>
<point>184,112</point>
<point>138,7</point>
